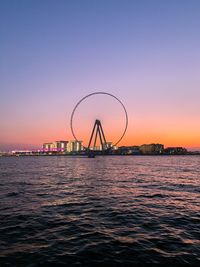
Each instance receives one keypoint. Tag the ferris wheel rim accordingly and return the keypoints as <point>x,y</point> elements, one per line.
<point>99,93</point>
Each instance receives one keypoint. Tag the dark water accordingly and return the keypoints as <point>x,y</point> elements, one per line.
<point>115,211</point>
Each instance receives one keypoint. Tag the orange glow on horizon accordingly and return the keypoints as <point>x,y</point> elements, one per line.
<point>175,139</point>
<point>167,131</point>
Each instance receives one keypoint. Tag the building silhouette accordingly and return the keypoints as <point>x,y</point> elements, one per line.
<point>151,149</point>
<point>74,146</point>
<point>59,146</point>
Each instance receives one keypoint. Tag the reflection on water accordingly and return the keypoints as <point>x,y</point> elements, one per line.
<point>120,211</point>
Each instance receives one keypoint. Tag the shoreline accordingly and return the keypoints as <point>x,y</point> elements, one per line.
<point>99,155</point>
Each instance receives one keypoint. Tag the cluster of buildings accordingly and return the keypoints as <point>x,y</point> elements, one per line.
<point>76,148</point>
<point>63,146</point>
<point>71,146</point>
<point>146,149</point>
<point>151,149</point>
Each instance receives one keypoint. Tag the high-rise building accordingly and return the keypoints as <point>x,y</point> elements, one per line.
<point>59,146</point>
<point>74,146</point>
<point>48,147</point>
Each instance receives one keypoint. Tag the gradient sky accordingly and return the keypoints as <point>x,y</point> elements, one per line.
<point>53,52</point>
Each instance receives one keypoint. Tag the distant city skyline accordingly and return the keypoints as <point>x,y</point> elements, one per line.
<point>55,52</point>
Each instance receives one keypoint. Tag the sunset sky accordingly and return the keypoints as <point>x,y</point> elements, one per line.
<point>54,52</point>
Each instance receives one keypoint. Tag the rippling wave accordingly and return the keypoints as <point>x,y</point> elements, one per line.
<point>106,211</point>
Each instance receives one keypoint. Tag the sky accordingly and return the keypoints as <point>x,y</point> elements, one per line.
<point>54,52</point>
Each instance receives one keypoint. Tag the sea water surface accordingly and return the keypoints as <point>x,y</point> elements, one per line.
<point>106,211</point>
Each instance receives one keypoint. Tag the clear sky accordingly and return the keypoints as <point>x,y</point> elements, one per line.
<point>53,52</point>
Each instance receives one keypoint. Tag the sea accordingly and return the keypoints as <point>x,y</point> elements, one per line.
<point>103,211</point>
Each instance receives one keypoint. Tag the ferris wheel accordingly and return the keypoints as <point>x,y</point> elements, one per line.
<point>98,133</point>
